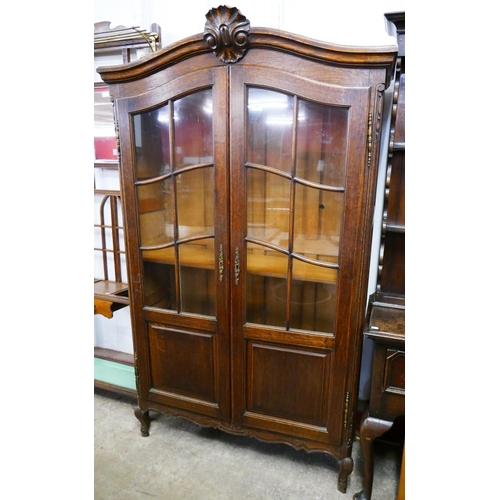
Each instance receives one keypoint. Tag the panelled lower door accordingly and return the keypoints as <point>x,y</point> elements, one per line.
<point>298,154</point>
<point>177,241</point>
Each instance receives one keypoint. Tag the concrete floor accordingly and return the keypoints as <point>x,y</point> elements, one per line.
<point>183,461</point>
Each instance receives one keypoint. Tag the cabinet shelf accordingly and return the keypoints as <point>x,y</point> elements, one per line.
<point>263,261</point>
<point>263,264</point>
<point>272,266</point>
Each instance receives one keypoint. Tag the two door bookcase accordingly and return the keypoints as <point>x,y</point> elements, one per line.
<point>248,160</point>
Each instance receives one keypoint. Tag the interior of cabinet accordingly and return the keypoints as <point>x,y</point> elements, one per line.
<point>294,183</point>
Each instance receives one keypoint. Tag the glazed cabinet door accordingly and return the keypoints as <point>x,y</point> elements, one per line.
<point>175,170</point>
<point>298,158</point>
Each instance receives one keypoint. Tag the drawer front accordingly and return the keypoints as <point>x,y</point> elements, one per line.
<point>388,382</point>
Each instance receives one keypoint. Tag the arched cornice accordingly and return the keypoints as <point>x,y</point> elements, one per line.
<point>229,36</point>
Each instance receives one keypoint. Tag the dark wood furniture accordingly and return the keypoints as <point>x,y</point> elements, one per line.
<point>401,489</point>
<point>122,45</point>
<point>249,158</point>
<point>385,324</point>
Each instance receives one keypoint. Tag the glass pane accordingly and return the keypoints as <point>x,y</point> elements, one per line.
<point>197,277</point>
<point>321,143</point>
<point>156,213</point>
<point>152,143</point>
<point>195,202</point>
<point>177,206</point>
<point>193,129</point>
<point>268,207</point>
<point>266,280</point>
<point>104,127</point>
<point>317,223</point>
<point>159,284</point>
<point>269,129</point>
<point>313,297</point>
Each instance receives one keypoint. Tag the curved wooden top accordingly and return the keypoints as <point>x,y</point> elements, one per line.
<point>263,38</point>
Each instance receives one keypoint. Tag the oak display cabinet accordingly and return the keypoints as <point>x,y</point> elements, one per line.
<point>248,160</point>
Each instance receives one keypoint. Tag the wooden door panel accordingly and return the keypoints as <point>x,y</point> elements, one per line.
<point>182,362</point>
<point>288,383</point>
<point>388,385</point>
<point>394,376</point>
<point>295,232</point>
<point>177,240</point>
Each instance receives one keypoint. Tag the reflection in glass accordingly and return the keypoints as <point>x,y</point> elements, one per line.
<point>317,223</point>
<point>152,143</point>
<point>313,301</point>
<point>197,277</point>
<point>193,129</point>
<point>321,143</point>
<point>195,202</point>
<point>268,201</point>
<point>269,128</point>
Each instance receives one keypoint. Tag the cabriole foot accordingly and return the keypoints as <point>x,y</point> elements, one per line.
<point>346,466</point>
<point>143,417</point>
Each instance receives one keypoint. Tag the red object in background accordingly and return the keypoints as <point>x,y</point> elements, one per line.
<point>105,148</point>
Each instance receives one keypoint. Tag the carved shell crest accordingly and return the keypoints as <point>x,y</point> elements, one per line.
<point>226,33</point>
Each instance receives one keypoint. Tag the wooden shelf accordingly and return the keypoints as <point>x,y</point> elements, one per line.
<point>116,356</point>
<point>262,264</point>
<point>271,265</point>
<point>109,296</point>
